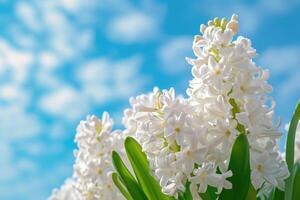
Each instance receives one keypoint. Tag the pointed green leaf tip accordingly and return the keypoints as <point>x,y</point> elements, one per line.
<point>117,181</point>
<point>141,169</point>
<point>127,179</point>
<point>240,166</point>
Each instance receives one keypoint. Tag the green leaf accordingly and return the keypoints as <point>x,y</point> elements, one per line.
<point>210,194</point>
<point>290,150</point>
<point>187,193</point>
<point>290,143</point>
<point>293,185</point>
<point>181,196</point>
<point>296,182</point>
<point>116,179</point>
<point>272,195</point>
<point>240,167</point>
<point>127,179</point>
<point>251,193</point>
<point>141,169</point>
<point>278,194</point>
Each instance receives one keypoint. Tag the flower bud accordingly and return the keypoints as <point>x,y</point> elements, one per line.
<point>202,28</point>
<point>217,21</point>
<point>223,23</point>
<point>233,25</point>
<point>210,23</point>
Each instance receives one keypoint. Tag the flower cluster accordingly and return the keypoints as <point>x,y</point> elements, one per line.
<point>188,141</point>
<point>93,165</point>
<point>173,137</point>
<point>66,191</point>
<point>229,89</point>
<point>191,139</point>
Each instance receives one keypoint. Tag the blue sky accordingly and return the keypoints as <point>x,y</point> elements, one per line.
<point>61,60</point>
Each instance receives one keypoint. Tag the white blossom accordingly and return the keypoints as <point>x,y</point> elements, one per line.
<point>231,92</point>
<point>93,165</point>
<point>66,192</point>
<point>206,175</point>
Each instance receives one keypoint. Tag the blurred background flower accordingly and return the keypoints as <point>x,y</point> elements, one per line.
<point>61,60</point>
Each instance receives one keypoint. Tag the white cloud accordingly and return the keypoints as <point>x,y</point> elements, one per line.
<point>133,27</point>
<point>172,54</point>
<point>48,60</point>
<point>15,62</point>
<point>17,123</point>
<point>281,60</point>
<point>8,92</point>
<point>104,80</point>
<point>27,13</point>
<point>65,102</point>
<point>64,35</point>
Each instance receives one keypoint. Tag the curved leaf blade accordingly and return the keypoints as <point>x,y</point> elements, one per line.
<point>127,179</point>
<point>290,142</point>
<point>210,194</point>
<point>293,184</point>
<point>116,179</point>
<point>296,182</point>
<point>141,169</point>
<point>278,194</point>
<point>251,193</point>
<point>272,195</point>
<point>240,166</point>
<point>187,193</point>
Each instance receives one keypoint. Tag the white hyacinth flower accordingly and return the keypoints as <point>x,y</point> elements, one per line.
<point>206,175</point>
<point>93,166</point>
<point>66,192</point>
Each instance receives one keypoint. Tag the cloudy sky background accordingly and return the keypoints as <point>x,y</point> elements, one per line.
<point>61,60</point>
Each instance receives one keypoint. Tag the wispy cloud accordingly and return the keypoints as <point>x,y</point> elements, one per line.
<point>64,102</point>
<point>133,27</point>
<point>173,52</point>
<point>104,80</point>
<point>281,60</point>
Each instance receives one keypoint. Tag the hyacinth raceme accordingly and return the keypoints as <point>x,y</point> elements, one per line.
<point>229,89</point>
<point>93,166</point>
<point>189,140</point>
